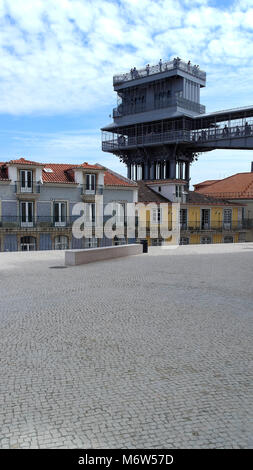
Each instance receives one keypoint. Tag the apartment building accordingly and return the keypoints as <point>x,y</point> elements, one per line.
<point>202,219</point>
<point>37,201</point>
<point>238,189</point>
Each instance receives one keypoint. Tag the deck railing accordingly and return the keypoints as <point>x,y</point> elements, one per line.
<point>174,64</point>
<point>196,136</point>
<point>124,110</point>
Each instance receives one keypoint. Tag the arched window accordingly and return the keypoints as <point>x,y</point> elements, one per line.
<point>61,242</point>
<point>28,244</point>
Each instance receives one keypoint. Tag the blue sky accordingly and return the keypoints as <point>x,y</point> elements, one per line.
<point>58,58</point>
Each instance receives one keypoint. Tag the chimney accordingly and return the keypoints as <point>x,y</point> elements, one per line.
<point>251,167</point>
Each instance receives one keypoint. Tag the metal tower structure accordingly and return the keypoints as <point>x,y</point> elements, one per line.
<point>159,125</point>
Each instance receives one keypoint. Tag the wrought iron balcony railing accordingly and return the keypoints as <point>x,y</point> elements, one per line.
<point>164,67</point>
<point>9,222</point>
<point>21,187</point>
<point>217,225</point>
<point>89,190</point>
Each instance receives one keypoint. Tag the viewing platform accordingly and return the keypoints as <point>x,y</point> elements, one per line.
<point>163,67</point>
<point>240,137</point>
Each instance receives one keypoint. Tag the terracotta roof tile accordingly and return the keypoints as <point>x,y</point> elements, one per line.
<point>64,172</point>
<point>23,161</point>
<point>111,178</point>
<point>238,186</point>
<point>204,183</point>
<point>61,173</point>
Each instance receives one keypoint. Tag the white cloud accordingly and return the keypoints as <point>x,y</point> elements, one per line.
<point>76,146</point>
<point>58,56</point>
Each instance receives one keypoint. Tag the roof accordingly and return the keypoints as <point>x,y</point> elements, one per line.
<point>238,186</point>
<point>195,197</point>
<point>63,172</point>
<point>218,116</point>
<point>111,178</point>
<point>23,161</point>
<point>204,183</point>
<point>166,181</point>
<point>147,194</point>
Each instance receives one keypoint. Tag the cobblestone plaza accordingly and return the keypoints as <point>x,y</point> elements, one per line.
<point>150,351</point>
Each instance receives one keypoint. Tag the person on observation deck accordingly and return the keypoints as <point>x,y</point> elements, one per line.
<point>247,129</point>
<point>147,69</point>
<point>160,65</point>
<point>237,130</point>
<point>225,131</point>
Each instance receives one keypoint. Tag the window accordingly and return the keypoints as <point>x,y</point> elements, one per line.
<point>60,214</point>
<point>26,181</point>
<point>228,239</point>
<point>61,243</point>
<point>184,241</point>
<point>119,212</point>
<point>90,184</point>
<point>26,213</point>
<point>227,218</point>
<point>205,240</point>
<point>157,216</point>
<point>90,213</point>
<point>90,242</point>
<point>178,190</point>
<point>183,219</point>
<point>28,244</point>
<point>205,219</point>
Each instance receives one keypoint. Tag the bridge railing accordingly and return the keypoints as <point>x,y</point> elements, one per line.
<point>221,133</point>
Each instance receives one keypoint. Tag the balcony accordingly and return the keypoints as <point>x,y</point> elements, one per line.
<point>124,110</point>
<point>92,191</point>
<point>155,69</point>
<point>197,226</point>
<point>9,222</point>
<point>123,141</point>
<point>22,189</point>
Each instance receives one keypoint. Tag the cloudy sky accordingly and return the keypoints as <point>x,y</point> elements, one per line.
<point>58,58</point>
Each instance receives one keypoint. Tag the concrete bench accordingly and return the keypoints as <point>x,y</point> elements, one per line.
<point>75,257</point>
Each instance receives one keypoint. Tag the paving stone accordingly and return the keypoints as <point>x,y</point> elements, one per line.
<point>148,351</point>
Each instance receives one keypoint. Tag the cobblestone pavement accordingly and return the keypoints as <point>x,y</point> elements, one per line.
<point>147,351</point>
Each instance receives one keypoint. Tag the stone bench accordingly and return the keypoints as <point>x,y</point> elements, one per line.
<point>75,257</point>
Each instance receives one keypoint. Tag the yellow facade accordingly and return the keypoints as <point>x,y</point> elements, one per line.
<point>194,232</point>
